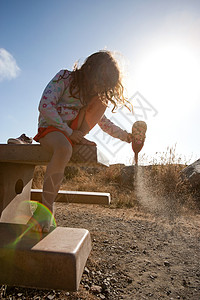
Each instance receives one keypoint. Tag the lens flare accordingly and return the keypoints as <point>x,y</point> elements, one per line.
<point>19,238</point>
<point>41,214</point>
<point>32,231</point>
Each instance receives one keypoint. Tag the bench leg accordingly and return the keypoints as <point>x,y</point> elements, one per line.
<point>15,190</point>
<point>48,261</point>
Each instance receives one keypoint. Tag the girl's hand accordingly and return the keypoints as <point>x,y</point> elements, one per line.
<point>76,136</point>
<point>129,138</point>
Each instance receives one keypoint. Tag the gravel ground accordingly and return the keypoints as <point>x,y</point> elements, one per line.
<point>135,255</point>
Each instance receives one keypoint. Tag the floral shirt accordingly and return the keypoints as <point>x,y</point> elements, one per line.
<point>57,108</point>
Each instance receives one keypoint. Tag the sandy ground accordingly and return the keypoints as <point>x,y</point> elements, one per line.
<point>148,251</point>
<point>135,255</point>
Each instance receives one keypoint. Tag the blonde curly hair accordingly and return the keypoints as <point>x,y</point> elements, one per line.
<point>98,75</point>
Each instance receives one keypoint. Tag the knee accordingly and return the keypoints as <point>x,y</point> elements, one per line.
<point>64,152</point>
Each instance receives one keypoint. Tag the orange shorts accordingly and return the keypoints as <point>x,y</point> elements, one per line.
<point>42,131</point>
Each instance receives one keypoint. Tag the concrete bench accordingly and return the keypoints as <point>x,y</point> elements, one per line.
<point>75,197</point>
<point>55,260</point>
<point>17,164</point>
<point>50,261</point>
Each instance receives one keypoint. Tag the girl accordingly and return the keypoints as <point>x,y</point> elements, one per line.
<point>71,105</point>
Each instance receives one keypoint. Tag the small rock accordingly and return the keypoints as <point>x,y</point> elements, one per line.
<point>99,272</point>
<point>166,263</point>
<point>86,286</point>
<point>105,241</point>
<point>51,296</point>
<point>168,293</point>
<point>184,282</point>
<point>105,285</point>
<point>113,280</point>
<point>96,289</point>
<point>108,278</point>
<point>86,271</point>
<point>147,262</point>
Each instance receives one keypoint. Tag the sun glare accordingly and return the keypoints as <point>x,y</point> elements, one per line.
<point>169,71</point>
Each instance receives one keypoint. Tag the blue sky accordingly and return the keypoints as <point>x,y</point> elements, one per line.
<point>157,43</point>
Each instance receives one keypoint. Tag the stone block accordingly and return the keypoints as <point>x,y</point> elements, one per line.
<point>36,155</point>
<point>75,197</point>
<point>48,261</point>
<point>17,163</point>
<point>191,174</point>
<point>15,189</point>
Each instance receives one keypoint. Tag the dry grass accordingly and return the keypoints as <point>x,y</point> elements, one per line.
<point>153,187</point>
<point>38,177</point>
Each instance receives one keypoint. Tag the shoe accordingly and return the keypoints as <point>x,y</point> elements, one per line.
<point>138,133</point>
<point>42,220</point>
<point>23,139</point>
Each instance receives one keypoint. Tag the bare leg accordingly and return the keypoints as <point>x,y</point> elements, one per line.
<point>61,149</point>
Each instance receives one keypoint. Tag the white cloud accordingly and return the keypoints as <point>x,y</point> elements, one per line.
<point>8,66</point>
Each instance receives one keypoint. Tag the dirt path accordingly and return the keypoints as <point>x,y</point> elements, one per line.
<point>134,256</point>
<point>138,256</point>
